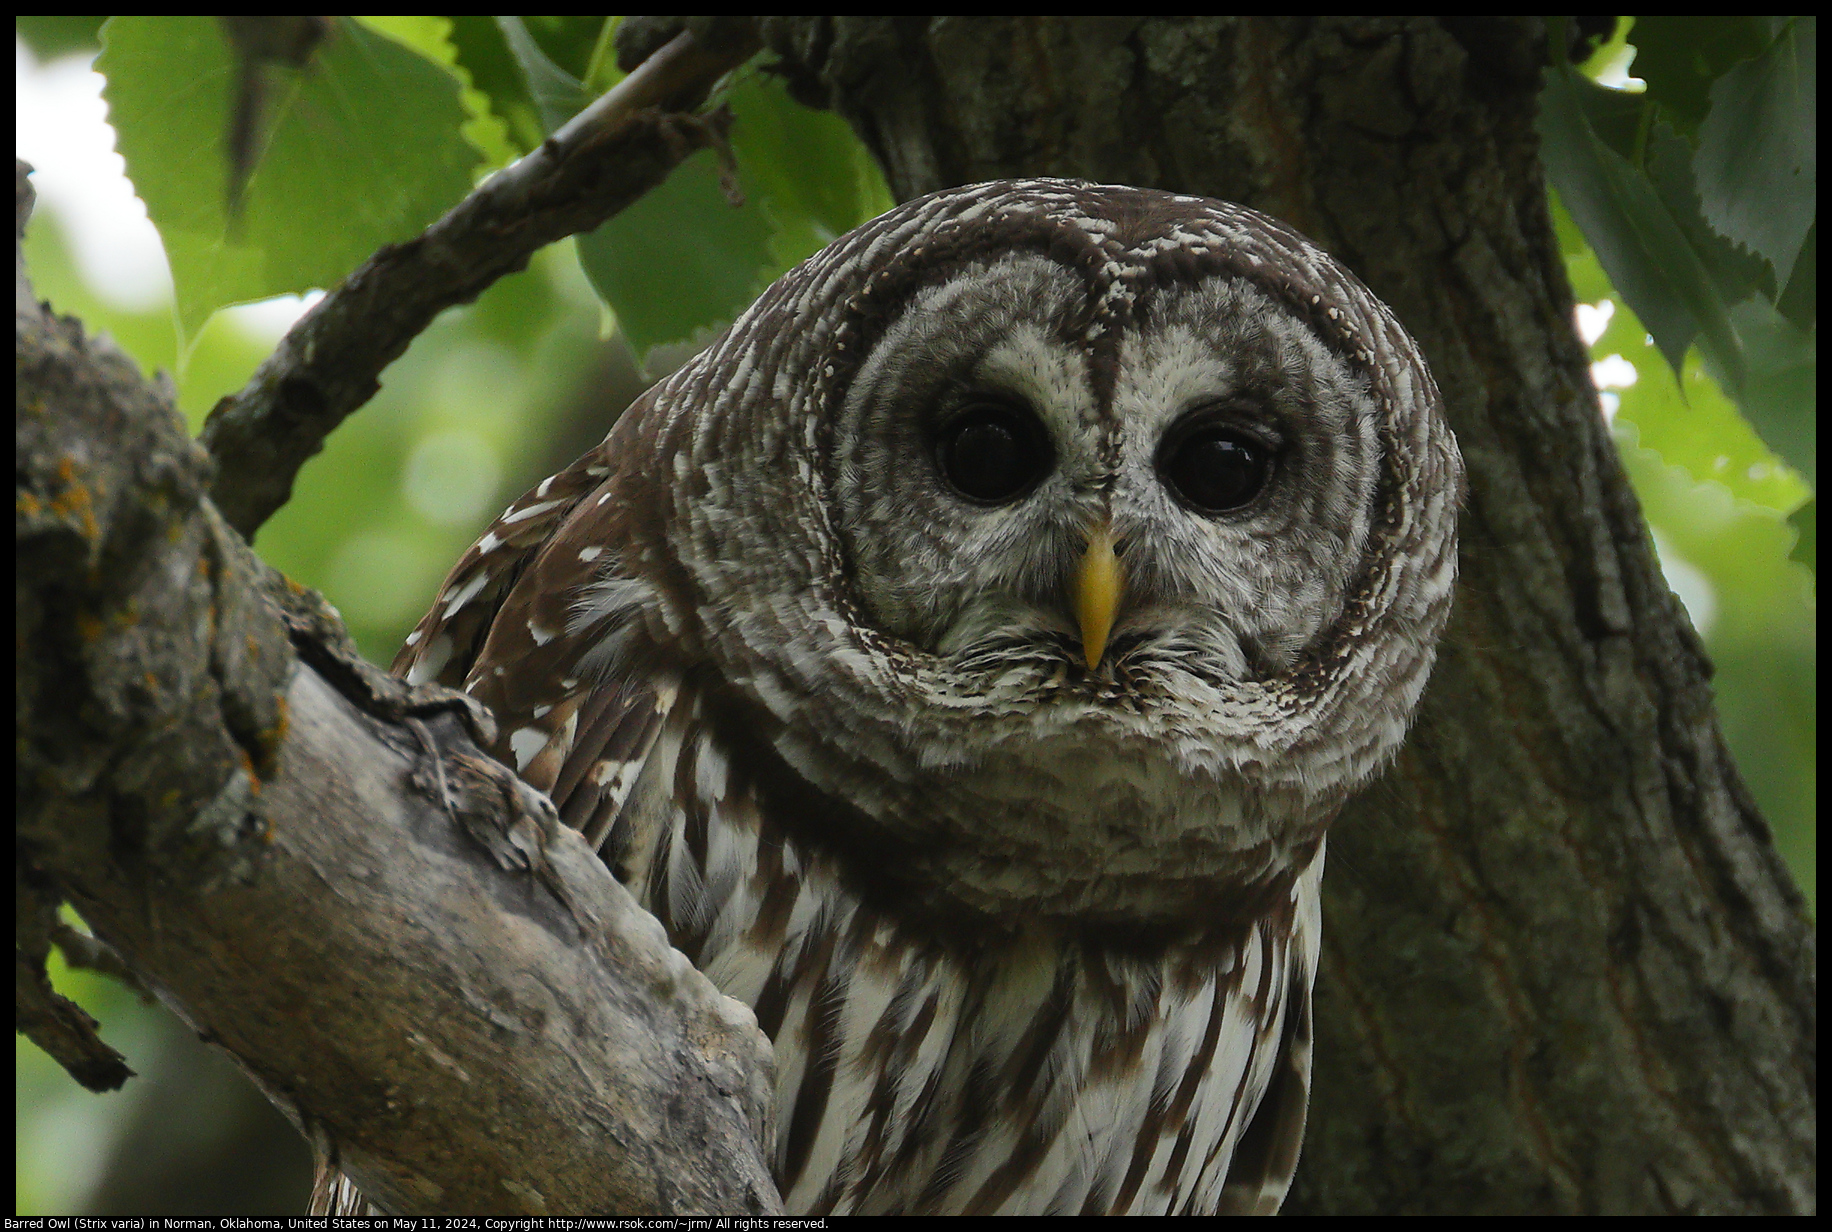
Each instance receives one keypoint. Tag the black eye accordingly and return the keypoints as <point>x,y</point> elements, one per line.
<point>1214,468</point>
<point>993,453</point>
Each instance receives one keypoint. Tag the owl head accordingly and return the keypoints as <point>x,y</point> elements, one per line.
<point>1070,541</point>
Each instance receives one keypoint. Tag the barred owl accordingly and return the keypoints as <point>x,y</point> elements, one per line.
<point>964,658</point>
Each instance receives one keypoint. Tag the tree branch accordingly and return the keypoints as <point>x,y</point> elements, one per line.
<point>471,1017</point>
<point>330,362</point>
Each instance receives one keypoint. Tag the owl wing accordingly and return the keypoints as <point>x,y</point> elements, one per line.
<point>530,623</point>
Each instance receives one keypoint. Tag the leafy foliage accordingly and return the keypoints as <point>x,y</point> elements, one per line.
<point>802,179</point>
<point>357,147</point>
<point>365,142</point>
<point>53,36</point>
<point>794,179</point>
<point>1699,194</point>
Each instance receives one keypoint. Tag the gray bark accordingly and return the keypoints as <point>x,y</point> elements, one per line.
<point>1565,970</point>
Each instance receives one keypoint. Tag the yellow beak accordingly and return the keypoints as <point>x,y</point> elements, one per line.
<point>1098,586</point>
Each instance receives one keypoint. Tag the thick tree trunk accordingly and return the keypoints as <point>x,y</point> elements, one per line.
<point>1565,970</point>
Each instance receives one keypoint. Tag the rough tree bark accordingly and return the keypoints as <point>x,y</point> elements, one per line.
<point>1565,969</point>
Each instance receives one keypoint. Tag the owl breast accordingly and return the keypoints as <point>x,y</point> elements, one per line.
<point>961,1065</point>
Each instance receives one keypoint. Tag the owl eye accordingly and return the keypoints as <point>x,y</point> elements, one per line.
<point>993,453</point>
<point>1214,467</point>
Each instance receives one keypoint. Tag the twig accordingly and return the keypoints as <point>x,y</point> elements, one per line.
<point>331,361</point>
<point>55,1023</point>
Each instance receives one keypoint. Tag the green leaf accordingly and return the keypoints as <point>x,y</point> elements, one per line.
<point>1805,521</point>
<point>432,37</point>
<point>804,168</point>
<point>1734,272</point>
<point>484,56</point>
<point>1633,232</point>
<point>571,43</point>
<point>1757,163</point>
<point>51,37</point>
<point>1799,303</point>
<point>557,94</point>
<point>1781,393</point>
<point>359,148</point>
<point>1616,117</point>
<point>1680,58</point>
<point>1688,422</point>
<point>682,260</point>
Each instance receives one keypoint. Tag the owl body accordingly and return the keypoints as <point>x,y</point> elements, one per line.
<point>965,1065</point>
<point>964,657</point>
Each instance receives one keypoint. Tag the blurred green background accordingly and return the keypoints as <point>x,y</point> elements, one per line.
<point>500,394</point>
